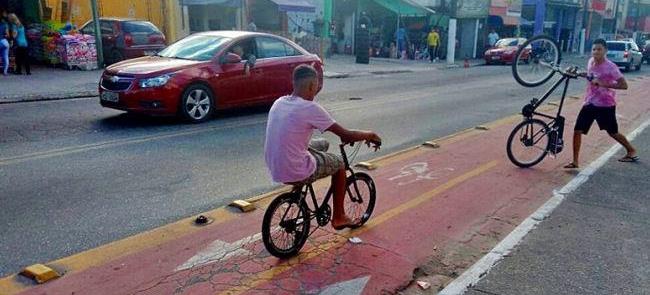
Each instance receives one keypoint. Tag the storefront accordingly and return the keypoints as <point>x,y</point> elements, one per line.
<point>27,10</point>
<point>472,31</point>
<point>212,15</point>
<point>384,18</point>
<point>559,21</point>
<point>504,18</point>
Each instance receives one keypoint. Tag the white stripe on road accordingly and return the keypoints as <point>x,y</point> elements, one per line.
<point>220,251</point>
<point>485,264</point>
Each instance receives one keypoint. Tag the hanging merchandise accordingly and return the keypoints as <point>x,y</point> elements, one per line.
<point>59,44</point>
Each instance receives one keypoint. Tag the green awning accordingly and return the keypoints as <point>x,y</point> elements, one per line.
<point>404,7</point>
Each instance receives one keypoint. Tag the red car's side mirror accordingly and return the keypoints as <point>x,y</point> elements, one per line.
<point>231,58</point>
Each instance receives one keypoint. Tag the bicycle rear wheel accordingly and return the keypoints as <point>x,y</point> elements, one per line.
<point>285,227</point>
<point>528,143</point>
<point>360,198</point>
<point>534,61</point>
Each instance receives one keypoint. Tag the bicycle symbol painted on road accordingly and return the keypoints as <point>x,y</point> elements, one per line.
<point>417,172</point>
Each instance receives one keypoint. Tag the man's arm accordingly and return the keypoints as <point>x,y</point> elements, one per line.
<point>349,136</point>
<point>621,84</point>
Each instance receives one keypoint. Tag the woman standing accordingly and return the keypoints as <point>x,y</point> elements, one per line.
<point>4,43</point>
<point>22,52</point>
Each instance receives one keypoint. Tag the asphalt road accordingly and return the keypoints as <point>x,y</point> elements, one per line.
<point>74,176</point>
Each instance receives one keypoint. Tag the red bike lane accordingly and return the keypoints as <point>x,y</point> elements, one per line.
<point>438,211</point>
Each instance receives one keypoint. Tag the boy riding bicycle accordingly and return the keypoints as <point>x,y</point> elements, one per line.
<point>600,103</point>
<point>288,154</point>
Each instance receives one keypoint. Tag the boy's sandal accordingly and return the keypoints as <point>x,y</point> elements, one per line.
<point>628,159</point>
<point>571,166</point>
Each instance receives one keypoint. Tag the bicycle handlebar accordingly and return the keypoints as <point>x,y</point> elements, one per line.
<point>571,72</point>
<point>376,145</point>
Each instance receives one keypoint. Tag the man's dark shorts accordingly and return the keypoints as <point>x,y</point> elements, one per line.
<point>605,116</point>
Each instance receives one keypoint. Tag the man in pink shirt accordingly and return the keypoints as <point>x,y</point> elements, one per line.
<point>600,103</point>
<point>287,150</point>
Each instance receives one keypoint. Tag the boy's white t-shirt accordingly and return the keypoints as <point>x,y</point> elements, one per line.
<point>291,123</point>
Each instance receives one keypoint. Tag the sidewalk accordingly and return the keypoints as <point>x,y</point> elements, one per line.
<point>344,66</point>
<point>595,242</point>
<point>438,211</point>
<point>47,83</point>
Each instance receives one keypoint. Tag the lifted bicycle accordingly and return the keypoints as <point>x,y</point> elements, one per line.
<point>533,139</point>
<point>287,220</point>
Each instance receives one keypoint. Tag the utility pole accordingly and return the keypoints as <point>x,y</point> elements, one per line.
<point>614,29</point>
<point>638,15</point>
<point>98,34</point>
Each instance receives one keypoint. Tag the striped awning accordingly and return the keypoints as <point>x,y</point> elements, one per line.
<point>295,5</point>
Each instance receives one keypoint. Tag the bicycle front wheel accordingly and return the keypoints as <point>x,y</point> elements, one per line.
<point>528,143</point>
<point>534,61</point>
<point>360,198</point>
<point>285,227</point>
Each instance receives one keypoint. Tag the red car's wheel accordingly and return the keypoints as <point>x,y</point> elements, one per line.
<point>197,104</point>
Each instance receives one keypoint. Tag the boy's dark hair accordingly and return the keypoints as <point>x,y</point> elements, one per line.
<point>600,41</point>
<point>303,72</point>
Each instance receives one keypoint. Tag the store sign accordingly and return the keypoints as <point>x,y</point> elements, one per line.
<point>514,8</point>
<point>574,3</point>
<point>610,9</point>
<point>472,8</point>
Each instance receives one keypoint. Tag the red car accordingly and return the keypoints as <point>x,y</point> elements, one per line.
<point>127,38</point>
<point>504,51</point>
<point>205,72</point>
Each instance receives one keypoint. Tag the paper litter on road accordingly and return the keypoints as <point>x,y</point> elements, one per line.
<point>355,240</point>
<point>424,285</point>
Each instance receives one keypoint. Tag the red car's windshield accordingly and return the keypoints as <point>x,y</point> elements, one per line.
<point>195,47</point>
<point>506,43</point>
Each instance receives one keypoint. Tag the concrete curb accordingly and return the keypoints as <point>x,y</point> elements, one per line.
<point>33,98</point>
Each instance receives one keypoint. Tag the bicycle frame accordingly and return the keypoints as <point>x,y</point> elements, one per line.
<point>309,189</point>
<point>530,109</point>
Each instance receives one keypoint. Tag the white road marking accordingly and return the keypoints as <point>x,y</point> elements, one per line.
<point>220,251</point>
<point>351,287</point>
<point>420,170</point>
<point>485,264</point>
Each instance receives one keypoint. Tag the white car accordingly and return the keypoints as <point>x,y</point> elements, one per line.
<point>625,54</point>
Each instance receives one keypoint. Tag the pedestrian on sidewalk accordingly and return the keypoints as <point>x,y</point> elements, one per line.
<point>600,103</point>
<point>290,157</point>
<point>4,42</point>
<point>433,40</point>
<point>400,34</point>
<point>493,37</point>
<point>22,52</point>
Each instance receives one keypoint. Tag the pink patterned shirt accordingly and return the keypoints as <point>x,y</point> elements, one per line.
<point>606,72</point>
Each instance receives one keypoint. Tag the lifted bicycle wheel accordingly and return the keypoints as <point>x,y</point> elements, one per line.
<point>534,61</point>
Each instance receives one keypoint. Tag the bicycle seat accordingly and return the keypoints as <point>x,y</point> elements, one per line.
<point>319,144</point>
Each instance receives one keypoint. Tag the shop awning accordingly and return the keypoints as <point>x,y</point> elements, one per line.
<point>295,5</point>
<point>229,3</point>
<point>405,7</point>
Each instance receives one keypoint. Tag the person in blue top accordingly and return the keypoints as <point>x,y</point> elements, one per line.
<point>4,42</point>
<point>22,52</point>
<point>401,40</point>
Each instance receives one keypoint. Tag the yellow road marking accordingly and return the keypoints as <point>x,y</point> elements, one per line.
<point>268,275</point>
